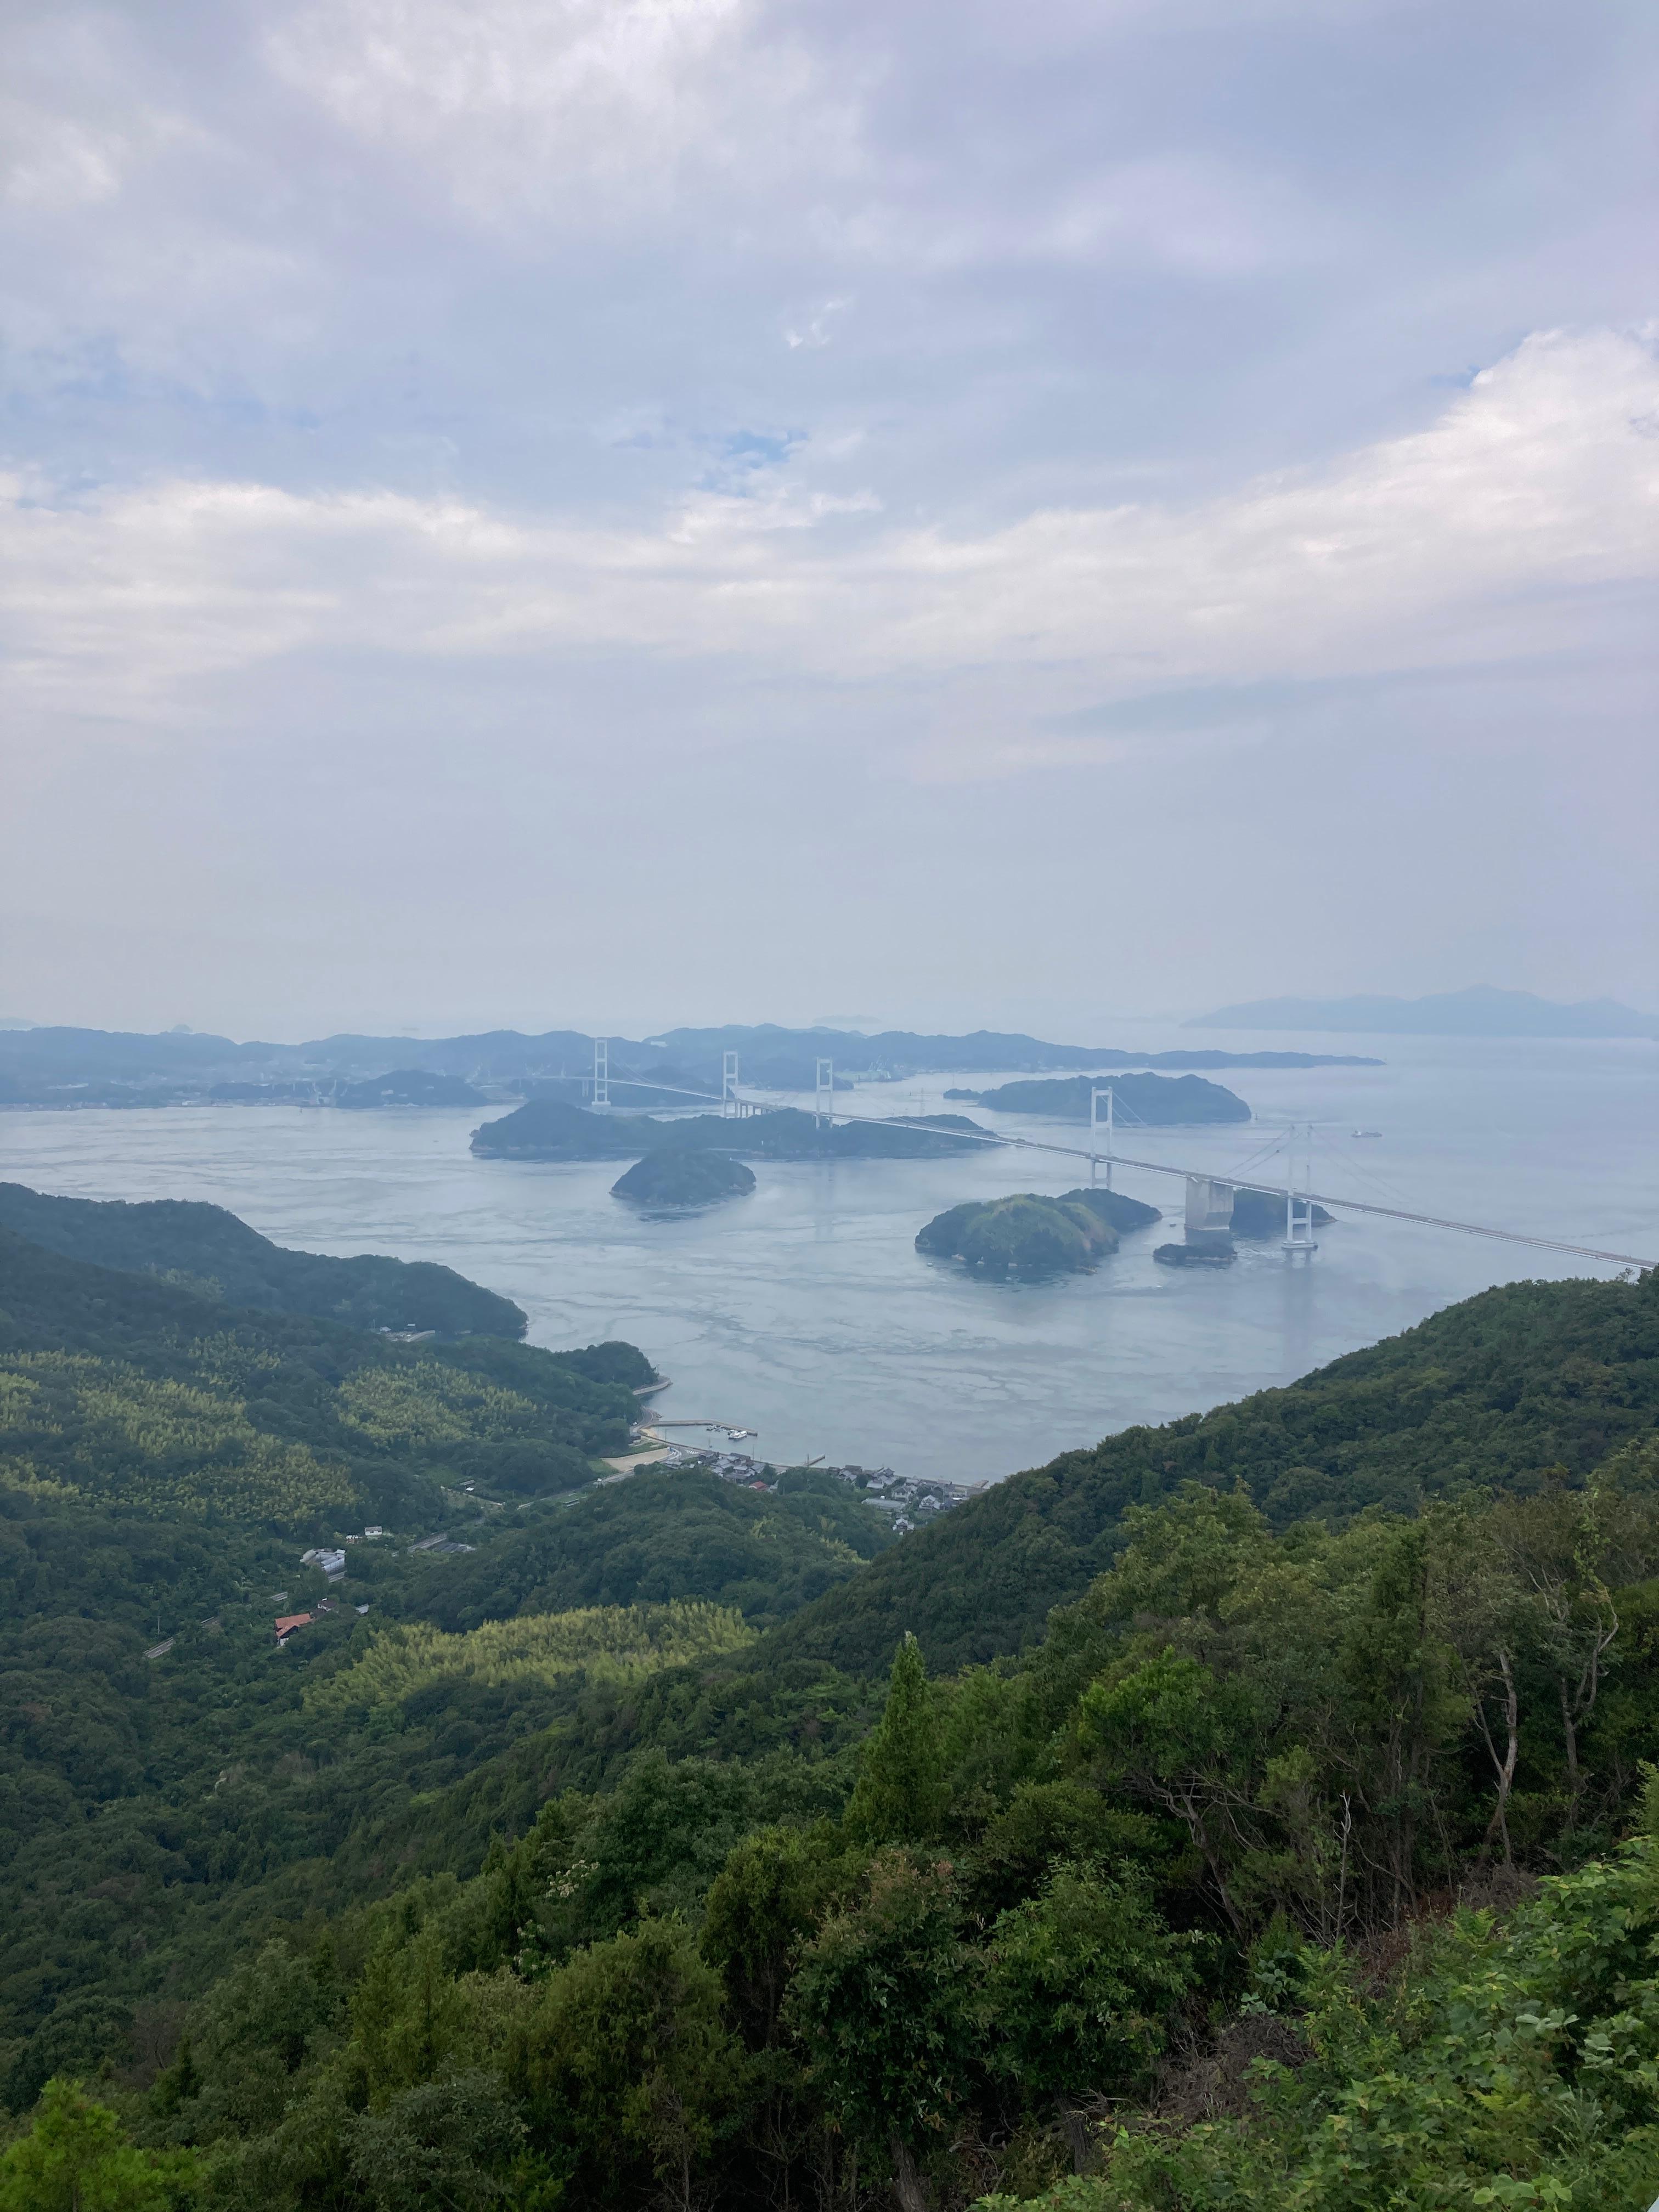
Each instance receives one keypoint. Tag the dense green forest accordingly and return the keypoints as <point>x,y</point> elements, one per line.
<point>1260,1814</point>
<point>1495,1391</point>
<point>209,1251</point>
<point>163,1462</point>
<point>119,1386</point>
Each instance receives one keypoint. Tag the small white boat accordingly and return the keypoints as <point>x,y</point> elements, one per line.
<point>1368,1132</point>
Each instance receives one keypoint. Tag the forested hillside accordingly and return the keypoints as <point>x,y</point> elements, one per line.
<point>206,1249</point>
<point>120,1386</point>
<point>164,1460</point>
<point>1257,1822</point>
<point>1230,1895</point>
<point>1498,1390</point>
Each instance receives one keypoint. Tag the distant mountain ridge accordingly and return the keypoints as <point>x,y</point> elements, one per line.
<point>57,1066</point>
<point>1481,1011</point>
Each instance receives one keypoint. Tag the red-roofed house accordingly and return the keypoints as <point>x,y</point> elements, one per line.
<point>288,1622</point>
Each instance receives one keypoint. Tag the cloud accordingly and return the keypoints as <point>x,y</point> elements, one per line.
<point>1500,530</point>
<point>513,102</point>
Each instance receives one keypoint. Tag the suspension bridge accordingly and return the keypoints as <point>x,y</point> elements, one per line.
<point>1299,1196</point>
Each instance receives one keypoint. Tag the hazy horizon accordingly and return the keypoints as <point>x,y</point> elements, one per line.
<point>611,512</point>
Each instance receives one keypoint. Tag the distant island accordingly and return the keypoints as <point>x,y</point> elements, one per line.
<point>1026,1234</point>
<point>1108,1063</point>
<point>548,1129</point>
<point>680,1177</point>
<point>1482,1011</point>
<point>1162,1101</point>
<point>52,1066</point>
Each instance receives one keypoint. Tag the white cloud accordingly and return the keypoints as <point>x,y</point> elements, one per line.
<point>516,103</point>
<point>1491,534</point>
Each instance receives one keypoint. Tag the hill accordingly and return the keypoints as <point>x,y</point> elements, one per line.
<point>207,1249</point>
<point>550,1877</point>
<point>1031,1234</point>
<point>124,1390</point>
<point>164,1459</point>
<point>1160,1101</point>
<point>1481,1011</point>
<point>1142,1918</point>
<point>672,1177</point>
<point>1495,1391</point>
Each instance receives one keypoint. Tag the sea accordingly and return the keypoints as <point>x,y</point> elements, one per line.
<point>806,1313</point>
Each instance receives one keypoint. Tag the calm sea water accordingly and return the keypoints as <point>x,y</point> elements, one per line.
<point>806,1313</point>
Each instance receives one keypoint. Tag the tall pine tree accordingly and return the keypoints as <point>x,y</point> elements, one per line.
<point>899,1796</point>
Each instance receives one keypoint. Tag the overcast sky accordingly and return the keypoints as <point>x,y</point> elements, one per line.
<point>613,512</point>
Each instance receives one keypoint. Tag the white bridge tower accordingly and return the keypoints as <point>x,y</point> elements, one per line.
<point>601,1075</point>
<point>1298,1205</point>
<point>1095,1096</point>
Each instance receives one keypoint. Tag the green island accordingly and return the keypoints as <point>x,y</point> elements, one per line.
<point>1255,1810</point>
<point>551,1129</point>
<point>677,1175</point>
<point>1028,1235</point>
<point>1159,1101</point>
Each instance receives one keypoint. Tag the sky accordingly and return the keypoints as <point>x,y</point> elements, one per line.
<point>613,513</point>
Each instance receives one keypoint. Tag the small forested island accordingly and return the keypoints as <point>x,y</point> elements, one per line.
<point>1195,1256</point>
<point>683,1177</point>
<point>1029,1235</point>
<point>550,1129</point>
<point>1160,1101</point>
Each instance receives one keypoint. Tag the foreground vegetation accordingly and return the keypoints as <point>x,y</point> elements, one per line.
<point>1261,1816</point>
<point>1167,1916</point>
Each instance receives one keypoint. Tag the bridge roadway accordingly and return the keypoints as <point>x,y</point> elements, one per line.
<point>1276,1190</point>
<point>1163,1167</point>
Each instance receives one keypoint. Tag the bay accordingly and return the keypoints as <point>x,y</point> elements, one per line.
<point>804,1312</point>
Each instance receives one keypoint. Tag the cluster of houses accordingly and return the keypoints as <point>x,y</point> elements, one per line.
<point>331,1561</point>
<point>913,1500</point>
